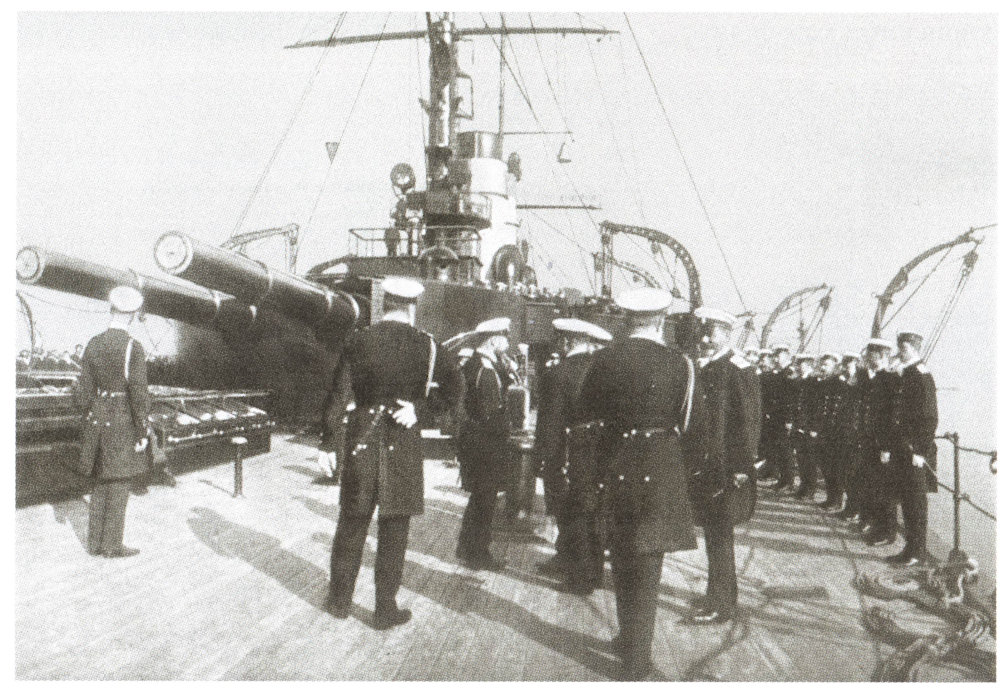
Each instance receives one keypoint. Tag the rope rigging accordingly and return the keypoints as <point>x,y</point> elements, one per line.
<point>288,128</point>
<point>684,161</point>
<point>326,178</point>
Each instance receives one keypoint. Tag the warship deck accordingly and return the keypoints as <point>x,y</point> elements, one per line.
<point>231,588</point>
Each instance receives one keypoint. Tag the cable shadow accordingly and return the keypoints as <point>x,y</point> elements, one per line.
<point>262,552</point>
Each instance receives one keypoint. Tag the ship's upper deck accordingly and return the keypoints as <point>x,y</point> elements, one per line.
<point>232,589</point>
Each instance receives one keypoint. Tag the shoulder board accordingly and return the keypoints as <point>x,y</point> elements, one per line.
<point>922,368</point>
<point>738,361</point>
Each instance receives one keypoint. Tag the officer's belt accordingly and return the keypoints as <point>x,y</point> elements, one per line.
<point>584,427</point>
<point>649,432</point>
<point>106,393</point>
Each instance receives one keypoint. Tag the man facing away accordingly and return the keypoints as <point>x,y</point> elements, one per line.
<point>911,453</point>
<point>394,373</point>
<point>723,442</point>
<point>485,454</point>
<point>561,443</point>
<point>641,389</point>
<point>114,392</point>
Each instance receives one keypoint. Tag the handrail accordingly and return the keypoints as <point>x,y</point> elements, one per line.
<point>957,494</point>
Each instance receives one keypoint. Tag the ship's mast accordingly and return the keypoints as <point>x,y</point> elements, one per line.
<point>441,126</point>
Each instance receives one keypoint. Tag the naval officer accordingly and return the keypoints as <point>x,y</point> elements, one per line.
<point>724,442</point>
<point>641,389</point>
<point>485,453</point>
<point>394,373</point>
<point>912,452</point>
<point>559,450</point>
<point>113,390</point>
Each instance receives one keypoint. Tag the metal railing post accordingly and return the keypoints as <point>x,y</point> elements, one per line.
<point>957,495</point>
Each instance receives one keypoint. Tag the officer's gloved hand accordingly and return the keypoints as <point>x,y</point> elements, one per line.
<point>406,415</point>
<point>919,460</point>
<point>327,462</point>
<point>788,426</point>
<point>739,480</point>
<point>813,434</point>
<point>884,457</point>
<point>141,445</point>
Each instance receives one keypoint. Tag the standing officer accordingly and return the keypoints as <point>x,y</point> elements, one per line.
<point>393,372</point>
<point>114,391</point>
<point>875,386</point>
<point>830,394</point>
<point>558,442</point>
<point>806,425</point>
<point>912,453</point>
<point>641,389</point>
<point>484,448</point>
<point>724,441</point>
<point>847,432</point>
<point>782,414</point>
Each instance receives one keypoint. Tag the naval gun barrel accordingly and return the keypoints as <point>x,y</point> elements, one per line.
<point>255,283</point>
<point>186,303</point>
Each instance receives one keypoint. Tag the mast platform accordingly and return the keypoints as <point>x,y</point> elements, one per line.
<point>231,589</point>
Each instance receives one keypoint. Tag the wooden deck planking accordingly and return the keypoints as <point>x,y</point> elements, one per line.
<point>232,588</point>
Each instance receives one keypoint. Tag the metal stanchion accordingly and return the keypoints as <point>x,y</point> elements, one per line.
<point>238,442</point>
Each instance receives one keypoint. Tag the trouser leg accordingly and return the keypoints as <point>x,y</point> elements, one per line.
<point>913,500</point>
<point>883,499</point>
<point>805,455</point>
<point>98,508</point>
<point>393,534</point>
<point>783,458</point>
<point>477,524</point>
<point>637,612</point>
<point>721,552</point>
<point>566,543</point>
<point>114,516</point>
<point>832,469</point>
<point>345,557</point>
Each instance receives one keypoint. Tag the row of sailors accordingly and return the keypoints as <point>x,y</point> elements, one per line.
<point>866,424</point>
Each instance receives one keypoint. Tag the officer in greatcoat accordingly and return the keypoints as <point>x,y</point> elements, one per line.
<point>563,446</point>
<point>724,444</point>
<point>806,420</point>
<point>395,374</point>
<point>911,454</point>
<point>485,452</point>
<point>830,395</point>
<point>641,389</point>
<point>876,382</point>
<point>114,392</point>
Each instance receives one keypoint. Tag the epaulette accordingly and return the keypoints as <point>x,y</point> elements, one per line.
<point>922,368</point>
<point>738,361</point>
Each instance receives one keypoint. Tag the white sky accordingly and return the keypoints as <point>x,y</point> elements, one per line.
<point>827,148</point>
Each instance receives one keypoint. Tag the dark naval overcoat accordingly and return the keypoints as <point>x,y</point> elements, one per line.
<point>116,409</point>
<point>383,461</point>
<point>641,391</point>
<point>724,439</point>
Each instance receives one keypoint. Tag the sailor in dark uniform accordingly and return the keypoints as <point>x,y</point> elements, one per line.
<point>846,434</point>
<point>830,395</point>
<point>485,453</point>
<point>806,425</point>
<point>780,422</point>
<point>766,468</point>
<point>877,513</point>
<point>394,373</point>
<point>641,389</point>
<point>559,441</point>
<point>114,392</point>
<point>912,453</point>
<point>724,442</point>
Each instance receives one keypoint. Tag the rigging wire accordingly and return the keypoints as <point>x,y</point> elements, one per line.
<point>684,161</point>
<point>612,128</point>
<point>347,122</point>
<point>288,128</point>
<point>518,79</point>
<point>923,281</point>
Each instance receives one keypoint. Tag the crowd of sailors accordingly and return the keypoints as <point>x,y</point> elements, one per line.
<point>638,443</point>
